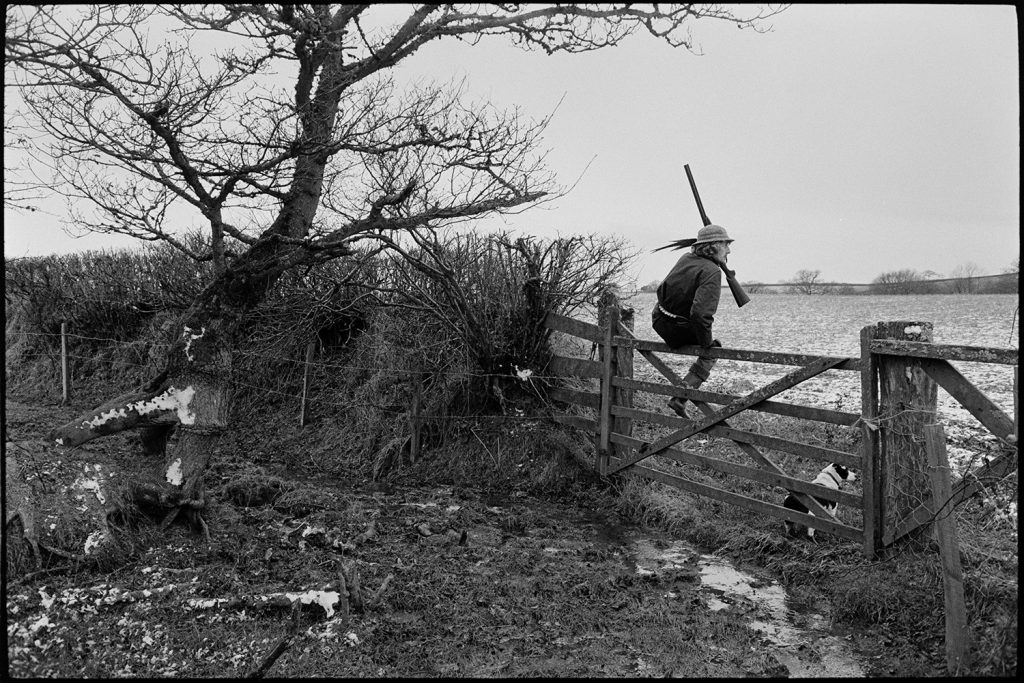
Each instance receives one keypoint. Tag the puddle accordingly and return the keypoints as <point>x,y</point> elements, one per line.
<point>807,650</point>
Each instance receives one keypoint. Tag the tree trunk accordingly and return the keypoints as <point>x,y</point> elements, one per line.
<point>182,486</point>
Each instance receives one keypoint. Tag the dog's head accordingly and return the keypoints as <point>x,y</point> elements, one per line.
<point>841,473</point>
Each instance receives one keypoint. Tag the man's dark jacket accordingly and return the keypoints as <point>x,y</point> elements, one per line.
<point>691,290</point>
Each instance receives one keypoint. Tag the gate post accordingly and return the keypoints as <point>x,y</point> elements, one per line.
<point>623,368</point>
<point>873,500</point>
<point>608,358</point>
<point>907,402</point>
<point>617,361</point>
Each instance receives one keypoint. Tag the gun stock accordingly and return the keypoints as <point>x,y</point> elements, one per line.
<point>737,290</point>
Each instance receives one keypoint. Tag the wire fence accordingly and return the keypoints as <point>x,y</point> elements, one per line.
<point>302,364</point>
<point>999,283</point>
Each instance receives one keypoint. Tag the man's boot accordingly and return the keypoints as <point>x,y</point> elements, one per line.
<point>679,406</point>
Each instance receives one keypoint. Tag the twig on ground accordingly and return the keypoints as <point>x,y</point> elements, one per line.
<point>375,600</point>
<point>369,534</point>
<point>280,648</point>
<point>343,598</point>
<point>25,578</point>
<point>355,592</point>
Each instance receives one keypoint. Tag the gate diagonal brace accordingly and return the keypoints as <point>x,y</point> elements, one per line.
<point>810,501</point>
<point>967,395</point>
<point>778,386</point>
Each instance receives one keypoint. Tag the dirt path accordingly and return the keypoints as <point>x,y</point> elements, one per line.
<point>479,587</point>
<point>470,585</point>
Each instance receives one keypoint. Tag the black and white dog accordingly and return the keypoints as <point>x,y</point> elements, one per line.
<point>833,476</point>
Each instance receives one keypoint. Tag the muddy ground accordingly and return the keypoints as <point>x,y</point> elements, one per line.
<point>442,580</point>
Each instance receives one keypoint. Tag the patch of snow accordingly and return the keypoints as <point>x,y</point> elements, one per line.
<point>94,540</point>
<point>196,603</point>
<point>174,399</point>
<point>174,473</point>
<point>326,599</point>
<point>39,623</point>
<point>93,485</point>
<point>103,418</point>
<point>189,338</point>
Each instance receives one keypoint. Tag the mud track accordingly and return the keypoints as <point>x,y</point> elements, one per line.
<point>451,581</point>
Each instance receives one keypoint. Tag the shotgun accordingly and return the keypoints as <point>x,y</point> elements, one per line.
<point>730,275</point>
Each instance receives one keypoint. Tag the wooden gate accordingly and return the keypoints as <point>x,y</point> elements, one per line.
<point>883,517</point>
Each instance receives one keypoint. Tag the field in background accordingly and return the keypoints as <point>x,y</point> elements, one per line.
<point>830,325</point>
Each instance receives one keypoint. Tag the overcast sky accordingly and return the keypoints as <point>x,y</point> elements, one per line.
<point>852,139</point>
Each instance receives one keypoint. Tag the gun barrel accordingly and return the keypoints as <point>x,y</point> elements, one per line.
<point>696,196</point>
<point>730,276</point>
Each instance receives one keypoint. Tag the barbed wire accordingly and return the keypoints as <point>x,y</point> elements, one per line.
<point>830,283</point>
<point>321,365</point>
<point>236,382</point>
<point>327,366</point>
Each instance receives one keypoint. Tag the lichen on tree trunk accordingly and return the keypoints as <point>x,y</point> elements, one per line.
<point>188,459</point>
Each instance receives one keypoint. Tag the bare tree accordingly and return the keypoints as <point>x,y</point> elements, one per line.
<point>652,286</point>
<point>905,281</point>
<point>965,278</point>
<point>806,282</point>
<point>281,171</point>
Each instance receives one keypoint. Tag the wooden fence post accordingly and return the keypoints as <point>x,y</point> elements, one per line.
<point>872,479</point>
<point>65,376</point>
<point>310,350</point>
<point>623,398</point>
<point>907,402</point>
<point>608,354</point>
<point>957,634</point>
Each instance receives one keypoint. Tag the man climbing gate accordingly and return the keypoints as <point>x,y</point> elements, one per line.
<point>688,296</point>
<point>687,301</point>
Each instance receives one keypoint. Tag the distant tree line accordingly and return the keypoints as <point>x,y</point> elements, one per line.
<point>964,279</point>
